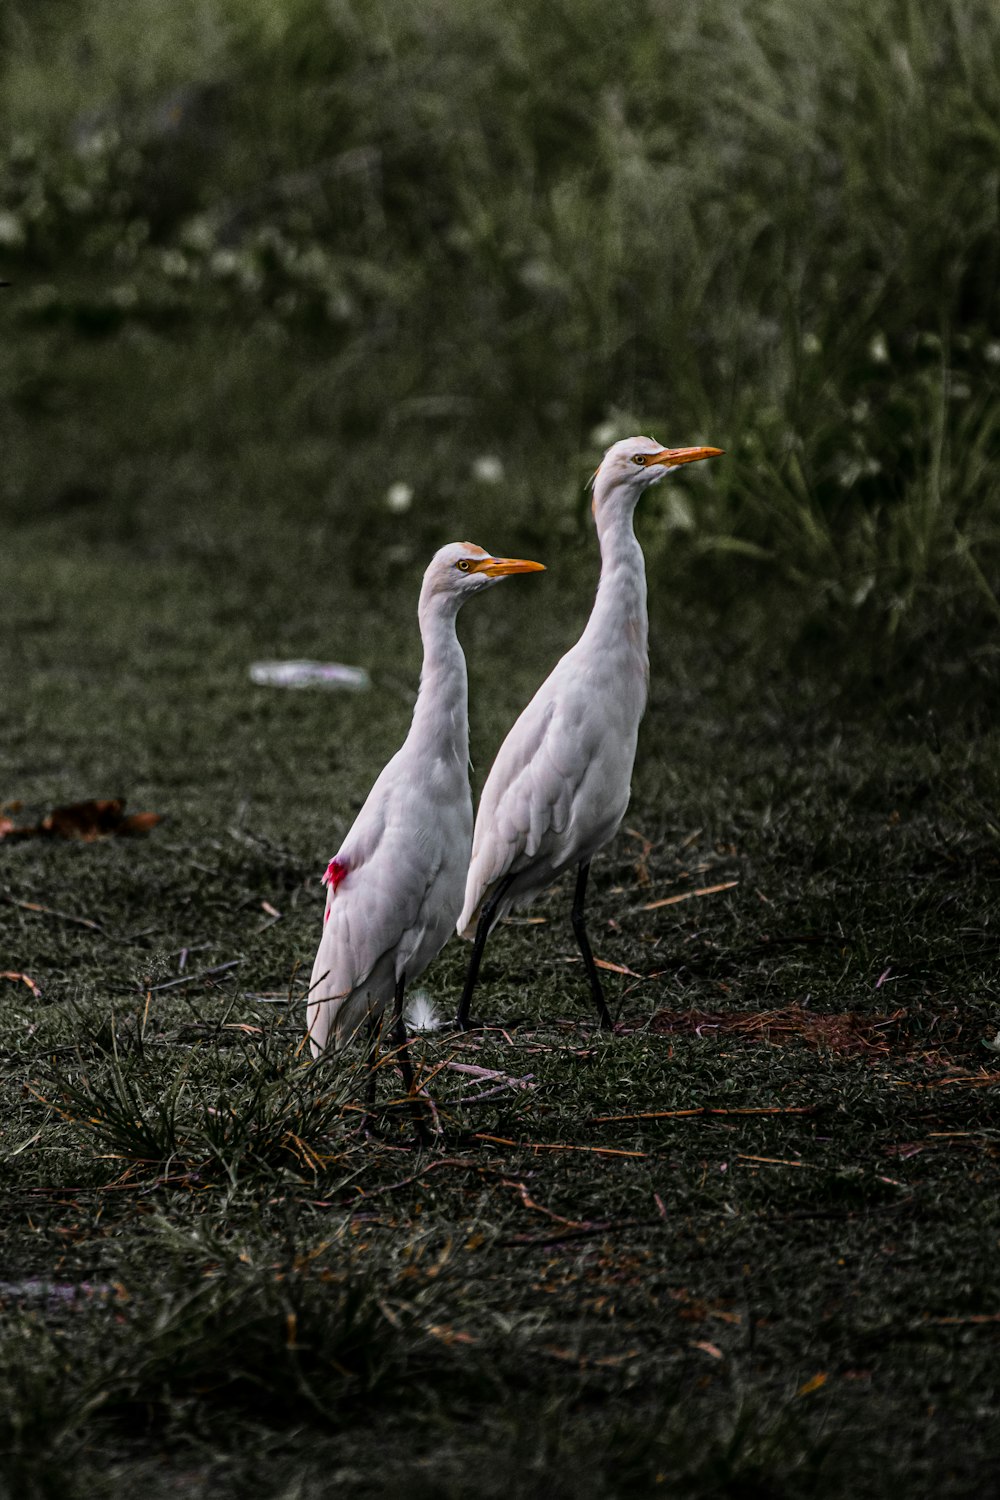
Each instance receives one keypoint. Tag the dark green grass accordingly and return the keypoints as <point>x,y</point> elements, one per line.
<point>271,1300</point>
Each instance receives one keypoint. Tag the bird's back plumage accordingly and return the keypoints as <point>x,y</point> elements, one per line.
<point>556,792</point>
<point>390,915</point>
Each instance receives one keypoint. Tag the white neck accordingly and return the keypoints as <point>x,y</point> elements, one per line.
<point>441,715</point>
<point>619,623</point>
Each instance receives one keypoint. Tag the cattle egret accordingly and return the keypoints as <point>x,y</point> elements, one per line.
<point>560,784</point>
<point>394,887</point>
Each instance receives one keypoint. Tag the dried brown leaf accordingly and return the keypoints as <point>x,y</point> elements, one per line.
<point>88,820</point>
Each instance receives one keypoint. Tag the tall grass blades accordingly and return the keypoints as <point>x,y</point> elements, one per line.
<point>774,226</point>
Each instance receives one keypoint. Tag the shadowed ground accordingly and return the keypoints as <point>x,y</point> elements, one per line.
<point>748,1243</point>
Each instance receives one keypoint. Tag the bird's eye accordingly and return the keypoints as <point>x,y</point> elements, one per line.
<point>463,565</point>
<point>639,458</point>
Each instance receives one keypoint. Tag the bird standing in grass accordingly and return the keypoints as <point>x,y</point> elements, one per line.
<point>394,888</point>
<point>560,784</point>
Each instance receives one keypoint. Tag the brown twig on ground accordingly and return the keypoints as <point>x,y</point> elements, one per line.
<point>539,1208</point>
<point>432,1166</point>
<point>502,1140</point>
<point>774,1161</point>
<point>965,1080</point>
<point>15,977</point>
<point>702,1109</point>
<point>705,890</point>
<point>842,1031</point>
<point>171,984</point>
<point>50,911</point>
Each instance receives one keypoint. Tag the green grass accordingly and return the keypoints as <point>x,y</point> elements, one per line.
<point>267,264</point>
<point>273,1299</point>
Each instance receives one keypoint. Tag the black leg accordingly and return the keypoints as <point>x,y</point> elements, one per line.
<point>373,1041</point>
<point>486,914</point>
<point>402,1052</point>
<point>366,1122</point>
<point>580,931</point>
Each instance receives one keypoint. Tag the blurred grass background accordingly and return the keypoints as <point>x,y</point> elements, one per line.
<point>272,257</point>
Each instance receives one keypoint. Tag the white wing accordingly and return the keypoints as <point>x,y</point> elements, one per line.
<point>391,913</point>
<point>556,792</point>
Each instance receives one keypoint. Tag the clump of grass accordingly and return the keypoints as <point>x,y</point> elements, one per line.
<point>240,1103</point>
<point>222,1333</point>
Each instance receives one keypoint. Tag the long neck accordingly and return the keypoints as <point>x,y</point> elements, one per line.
<point>619,622</point>
<point>441,715</point>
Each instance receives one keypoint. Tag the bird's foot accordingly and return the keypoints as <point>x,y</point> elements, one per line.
<point>465,1023</point>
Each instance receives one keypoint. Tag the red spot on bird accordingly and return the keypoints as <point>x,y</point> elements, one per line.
<point>335,872</point>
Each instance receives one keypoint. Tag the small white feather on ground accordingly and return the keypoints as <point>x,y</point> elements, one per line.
<point>420,1013</point>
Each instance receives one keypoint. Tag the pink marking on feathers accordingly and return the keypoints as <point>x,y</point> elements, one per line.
<point>335,873</point>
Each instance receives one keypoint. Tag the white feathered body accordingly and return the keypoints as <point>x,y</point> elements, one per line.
<point>559,787</point>
<point>404,862</point>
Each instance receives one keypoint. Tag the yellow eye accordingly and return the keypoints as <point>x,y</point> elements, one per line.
<point>463,565</point>
<point>639,458</point>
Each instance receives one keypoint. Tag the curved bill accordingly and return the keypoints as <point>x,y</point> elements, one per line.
<point>499,567</point>
<point>672,457</point>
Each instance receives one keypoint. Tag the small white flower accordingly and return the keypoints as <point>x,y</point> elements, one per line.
<point>224,263</point>
<point>811,344</point>
<point>878,350</point>
<point>487,468</point>
<point>399,496</point>
<point>198,234</point>
<point>11,230</point>
<point>174,263</point>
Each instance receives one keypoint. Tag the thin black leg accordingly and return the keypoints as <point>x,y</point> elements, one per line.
<point>402,1052</point>
<point>373,1041</point>
<point>367,1124</point>
<point>486,914</point>
<point>580,931</point>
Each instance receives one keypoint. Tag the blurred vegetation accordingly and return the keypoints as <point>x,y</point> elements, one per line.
<point>272,256</point>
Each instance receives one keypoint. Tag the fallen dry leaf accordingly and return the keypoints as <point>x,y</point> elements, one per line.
<point>24,979</point>
<point>449,1335</point>
<point>88,820</point>
<point>809,1386</point>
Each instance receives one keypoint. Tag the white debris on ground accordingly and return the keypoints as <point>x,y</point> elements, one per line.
<point>301,674</point>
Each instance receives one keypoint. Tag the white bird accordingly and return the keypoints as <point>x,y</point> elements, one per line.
<point>395,884</point>
<point>560,784</point>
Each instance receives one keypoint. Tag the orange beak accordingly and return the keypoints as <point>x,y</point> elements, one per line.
<point>672,457</point>
<point>499,567</point>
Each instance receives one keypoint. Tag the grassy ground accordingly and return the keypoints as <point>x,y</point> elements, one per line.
<point>795,1294</point>
<point>268,265</point>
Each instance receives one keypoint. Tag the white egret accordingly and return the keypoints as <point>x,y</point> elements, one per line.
<point>394,887</point>
<point>560,784</point>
